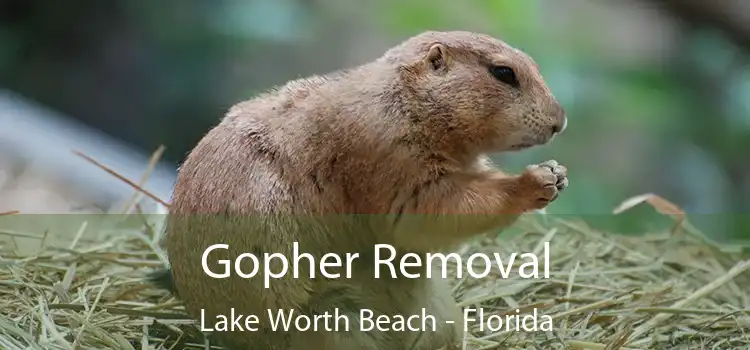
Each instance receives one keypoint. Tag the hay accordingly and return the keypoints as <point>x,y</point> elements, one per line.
<point>666,291</point>
<point>671,290</point>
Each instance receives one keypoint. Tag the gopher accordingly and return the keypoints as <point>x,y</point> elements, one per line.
<point>390,152</point>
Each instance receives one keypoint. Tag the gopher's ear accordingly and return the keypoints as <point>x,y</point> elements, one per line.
<point>437,56</point>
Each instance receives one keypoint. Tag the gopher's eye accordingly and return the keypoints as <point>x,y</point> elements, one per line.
<point>504,74</point>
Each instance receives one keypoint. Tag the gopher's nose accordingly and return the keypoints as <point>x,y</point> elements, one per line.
<point>560,118</point>
<point>560,127</point>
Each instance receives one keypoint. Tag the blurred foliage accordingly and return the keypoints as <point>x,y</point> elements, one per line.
<point>680,129</point>
<point>649,100</point>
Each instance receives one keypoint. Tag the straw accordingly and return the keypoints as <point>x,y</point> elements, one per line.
<point>665,290</point>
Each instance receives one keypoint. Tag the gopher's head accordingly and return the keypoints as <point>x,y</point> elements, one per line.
<point>478,91</point>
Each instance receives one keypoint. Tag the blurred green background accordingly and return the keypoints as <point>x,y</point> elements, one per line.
<point>657,91</point>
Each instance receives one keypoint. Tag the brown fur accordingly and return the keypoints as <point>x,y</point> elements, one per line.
<point>403,135</point>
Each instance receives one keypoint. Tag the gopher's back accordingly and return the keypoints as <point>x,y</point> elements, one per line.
<point>299,148</point>
<point>281,168</point>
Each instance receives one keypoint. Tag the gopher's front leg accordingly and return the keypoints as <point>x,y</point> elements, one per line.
<point>459,205</point>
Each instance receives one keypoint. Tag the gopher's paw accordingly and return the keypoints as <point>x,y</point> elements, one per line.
<point>561,173</point>
<point>542,183</point>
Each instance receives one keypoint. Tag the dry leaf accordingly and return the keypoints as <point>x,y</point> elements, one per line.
<point>661,205</point>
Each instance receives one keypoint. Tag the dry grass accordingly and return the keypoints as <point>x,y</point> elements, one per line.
<point>672,290</point>
<point>668,291</point>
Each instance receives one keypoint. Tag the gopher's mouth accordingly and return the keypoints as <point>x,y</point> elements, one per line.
<point>520,146</point>
<point>529,141</point>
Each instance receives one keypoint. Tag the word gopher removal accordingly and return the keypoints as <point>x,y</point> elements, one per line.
<point>344,162</point>
<point>432,262</point>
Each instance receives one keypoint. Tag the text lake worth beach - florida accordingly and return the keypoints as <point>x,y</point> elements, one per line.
<point>366,320</point>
